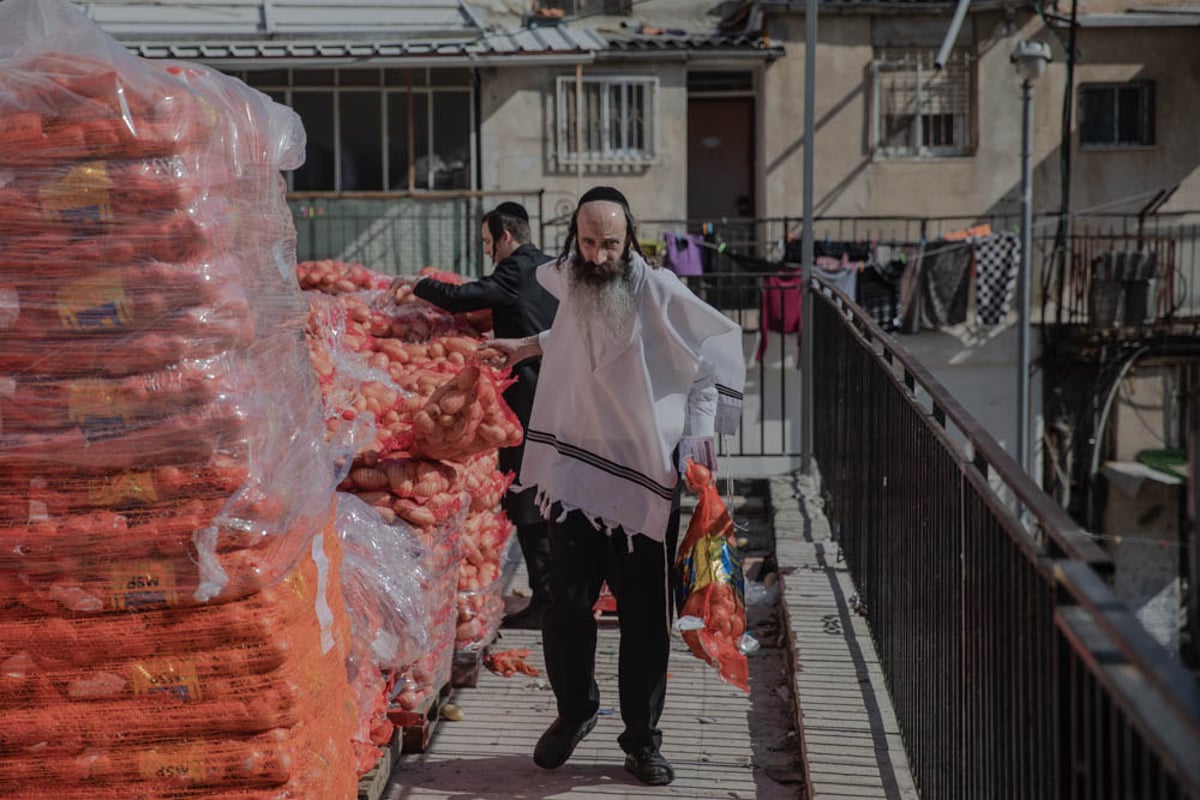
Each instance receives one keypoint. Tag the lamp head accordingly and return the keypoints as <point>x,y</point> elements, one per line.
<point>1030,59</point>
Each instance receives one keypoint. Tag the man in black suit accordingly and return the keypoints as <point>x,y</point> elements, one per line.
<point>520,307</point>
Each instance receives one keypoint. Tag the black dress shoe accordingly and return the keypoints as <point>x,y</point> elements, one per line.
<point>649,767</point>
<point>527,619</point>
<point>559,741</point>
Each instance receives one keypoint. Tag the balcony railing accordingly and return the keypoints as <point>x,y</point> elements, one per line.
<point>1014,670</point>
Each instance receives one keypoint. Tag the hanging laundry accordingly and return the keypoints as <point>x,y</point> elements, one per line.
<point>844,276</point>
<point>760,265</point>
<point>997,260</point>
<point>934,291</point>
<point>878,287</point>
<point>782,298</point>
<point>974,232</point>
<point>684,254</point>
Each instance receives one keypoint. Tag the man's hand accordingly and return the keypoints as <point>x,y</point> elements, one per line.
<point>503,353</point>
<point>401,285</point>
<point>701,449</point>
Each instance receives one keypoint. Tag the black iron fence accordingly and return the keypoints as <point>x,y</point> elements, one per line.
<point>1066,289</point>
<point>402,232</point>
<point>1014,670</point>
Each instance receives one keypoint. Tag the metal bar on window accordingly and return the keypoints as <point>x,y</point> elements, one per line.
<point>605,119</point>
<point>337,142</point>
<point>412,165</point>
<point>578,129</point>
<point>383,141</point>
<point>429,141</point>
<point>474,143</point>
<point>918,110</point>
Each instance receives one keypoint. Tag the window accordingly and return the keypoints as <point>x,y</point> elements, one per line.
<point>613,123</point>
<point>1116,115</point>
<point>366,127</point>
<point>919,110</point>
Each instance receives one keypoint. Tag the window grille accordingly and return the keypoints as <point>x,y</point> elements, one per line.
<point>616,122</point>
<point>920,110</point>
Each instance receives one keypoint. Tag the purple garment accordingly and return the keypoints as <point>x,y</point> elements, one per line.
<point>685,254</point>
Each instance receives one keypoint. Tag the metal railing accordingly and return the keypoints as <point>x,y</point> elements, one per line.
<point>767,428</point>
<point>401,232</point>
<point>1062,286</point>
<point>1014,670</point>
<point>1073,296</point>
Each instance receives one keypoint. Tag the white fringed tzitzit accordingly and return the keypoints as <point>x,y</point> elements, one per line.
<point>608,527</point>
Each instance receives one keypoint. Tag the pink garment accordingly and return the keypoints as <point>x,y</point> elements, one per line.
<point>781,306</point>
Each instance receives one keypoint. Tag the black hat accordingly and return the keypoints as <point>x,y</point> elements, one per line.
<point>512,209</point>
<point>609,193</point>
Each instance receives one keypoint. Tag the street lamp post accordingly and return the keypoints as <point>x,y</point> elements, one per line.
<point>1030,60</point>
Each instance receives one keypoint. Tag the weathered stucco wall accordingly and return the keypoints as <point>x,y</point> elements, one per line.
<point>850,180</point>
<point>518,129</point>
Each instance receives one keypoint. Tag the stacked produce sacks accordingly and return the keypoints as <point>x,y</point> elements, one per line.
<point>430,465</point>
<point>171,616</point>
<point>385,588</point>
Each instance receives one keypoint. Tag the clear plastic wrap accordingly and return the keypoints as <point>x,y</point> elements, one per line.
<point>383,581</point>
<point>172,621</point>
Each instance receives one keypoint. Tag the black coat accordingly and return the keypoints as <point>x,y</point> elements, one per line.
<point>520,307</point>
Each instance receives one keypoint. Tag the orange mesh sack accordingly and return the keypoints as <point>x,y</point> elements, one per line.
<point>171,622</point>
<point>712,605</point>
<point>141,208</point>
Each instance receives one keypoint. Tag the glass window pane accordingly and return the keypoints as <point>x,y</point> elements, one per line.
<point>1096,112</point>
<point>267,77</point>
<point>362,141</point>
<point>450,77</point>
<point>569,115</point>
<point>398,140</point>
<point>316,112</point>
<point>359,77</point>
<point>452,140</point>
<point>1129,115</point>
<point>312,77</point>
<point>615,117</point>
<point>400,78</point>
<point>397,143</point>
<point>421,137</point>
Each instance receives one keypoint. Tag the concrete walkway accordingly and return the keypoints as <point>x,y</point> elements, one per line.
<point>852,745</point>
<point>723,743</point>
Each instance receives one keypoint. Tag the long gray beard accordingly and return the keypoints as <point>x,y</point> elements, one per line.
<point>604,307</point>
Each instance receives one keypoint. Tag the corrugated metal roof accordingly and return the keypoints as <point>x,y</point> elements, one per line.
<point>143,19</point>
<point>690,42</point>
<point>539,42</point>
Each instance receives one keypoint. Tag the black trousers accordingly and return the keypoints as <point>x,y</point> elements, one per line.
<point>535,547</point>
<point>583,558</point>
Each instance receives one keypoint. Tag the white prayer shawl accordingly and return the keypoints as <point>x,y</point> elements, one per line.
<point>606,419</point>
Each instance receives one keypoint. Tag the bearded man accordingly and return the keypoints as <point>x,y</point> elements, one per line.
<point>637,373</point>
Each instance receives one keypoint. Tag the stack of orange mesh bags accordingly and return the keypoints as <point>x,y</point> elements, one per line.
<point>171,613</point>
<point>429,464</point>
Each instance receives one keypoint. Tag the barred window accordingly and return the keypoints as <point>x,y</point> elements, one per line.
<point>616,122</point>
<point>920,110</point>
<point>1116,114</point>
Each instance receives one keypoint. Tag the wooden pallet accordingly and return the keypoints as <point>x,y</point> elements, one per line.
<point>372,785</point>
<point>417,726</point>
<point>464,672</point>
